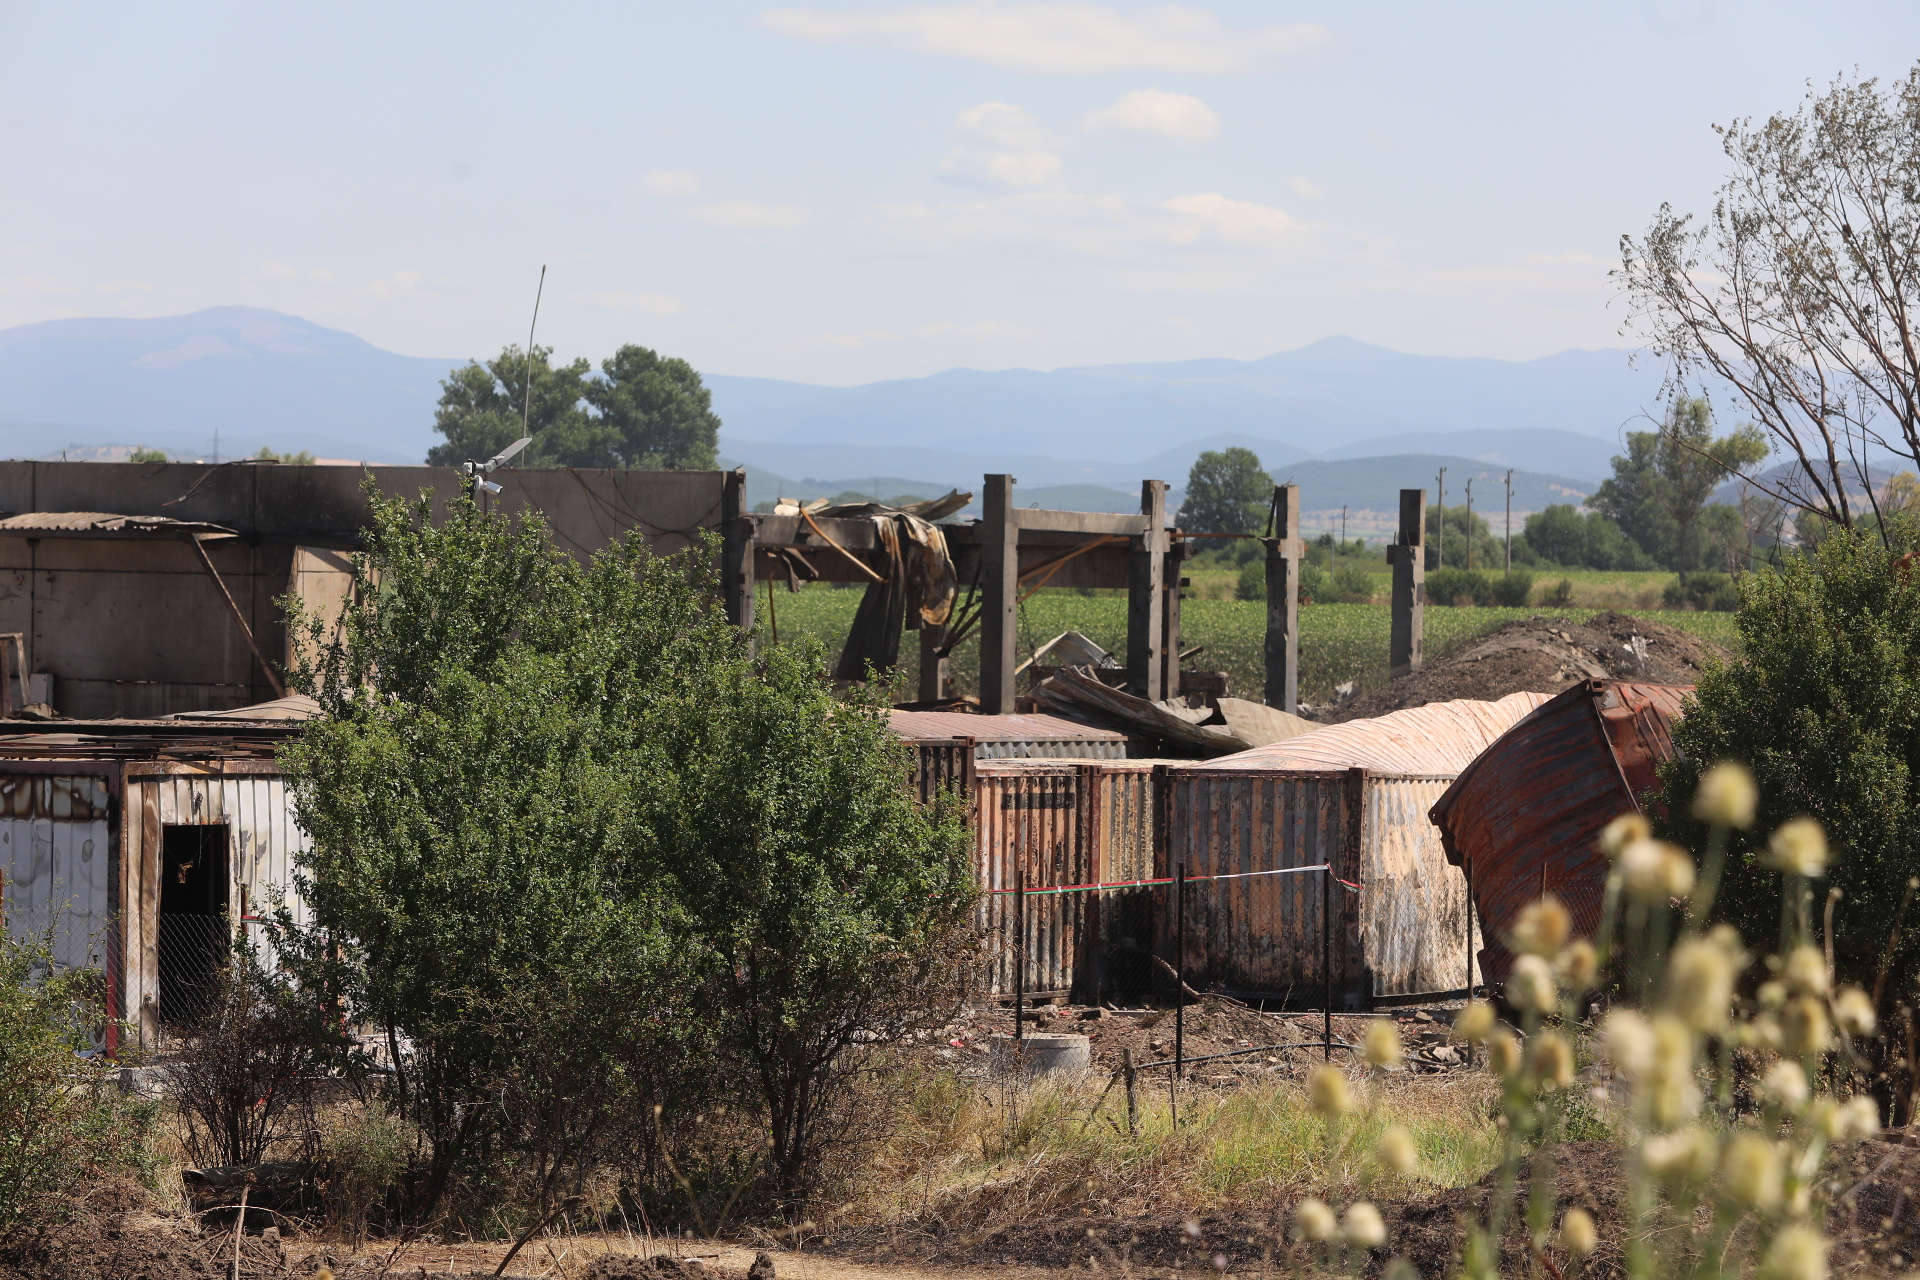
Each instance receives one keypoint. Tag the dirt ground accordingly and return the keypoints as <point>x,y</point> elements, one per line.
<point>1212,1026</point>
<point>1539,655</point>
<point>1875,1226</point>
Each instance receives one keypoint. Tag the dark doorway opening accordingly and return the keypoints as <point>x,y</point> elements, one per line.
<point>195,932</point>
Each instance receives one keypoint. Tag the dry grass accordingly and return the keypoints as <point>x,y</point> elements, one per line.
<point>972,1159</point>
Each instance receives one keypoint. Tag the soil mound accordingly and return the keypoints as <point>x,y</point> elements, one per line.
<point>109,1234</point>
<point>1540,655</point>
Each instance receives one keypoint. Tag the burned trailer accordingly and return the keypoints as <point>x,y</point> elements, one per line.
<point>146,849</point>
<point>1055,828</point>
<point>1525,818</point>
<point>1353,798</point>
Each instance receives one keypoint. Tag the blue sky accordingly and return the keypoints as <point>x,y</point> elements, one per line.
<point>839,192</point>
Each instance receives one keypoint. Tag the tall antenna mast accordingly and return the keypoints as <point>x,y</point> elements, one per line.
<point>526,404</point>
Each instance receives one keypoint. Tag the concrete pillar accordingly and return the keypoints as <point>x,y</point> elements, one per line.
<point>1286,555</point>
<point>935,670</point>
<point>1408,556</point>
<point>1146,603</point>
<point>736,549</point>
<point>1170,616</point>
<point>1000,583</point>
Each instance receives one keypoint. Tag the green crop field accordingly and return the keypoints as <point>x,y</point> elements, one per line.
<point>1338,642</point>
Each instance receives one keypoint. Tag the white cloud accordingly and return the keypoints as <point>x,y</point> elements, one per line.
<point>622,303</point>
<point>1306,189</point>
<point>1069,37</point>
<point>749,215</point>
<point>1153,113</point>
<point>681,184</point>
<point>1005,147</point>
<point>1106,226</point>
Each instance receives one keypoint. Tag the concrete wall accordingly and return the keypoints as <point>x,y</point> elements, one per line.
<point>132,627</point>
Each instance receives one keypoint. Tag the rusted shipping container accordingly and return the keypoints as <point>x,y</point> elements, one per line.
<point>1068,823</point>
<point>1015,737</point>
<point>1526,816</point>
<point>942,765</point>
<point>1032,824</point>
<point>1354,796</point>
<point>147,850</point>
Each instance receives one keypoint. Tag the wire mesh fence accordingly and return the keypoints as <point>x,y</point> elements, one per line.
<point>192,950</point>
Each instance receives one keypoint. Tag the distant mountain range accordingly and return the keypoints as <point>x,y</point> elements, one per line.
<point>1347,420</point>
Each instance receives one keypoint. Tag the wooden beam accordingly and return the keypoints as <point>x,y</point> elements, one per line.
<point>1408,556</point>
<point>736,550</point>
<point>999,583</point>
<point>1091,522</point>
<point>1285,557</point>
<point>1146,602</point>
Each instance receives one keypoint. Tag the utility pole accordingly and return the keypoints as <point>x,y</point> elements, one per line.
<point>1440,511</point>
<point>1469,524</point>
<point>1509,519</point>
<point>1343,531</point>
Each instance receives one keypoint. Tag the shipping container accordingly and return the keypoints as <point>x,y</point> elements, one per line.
<point>1016,737</point>
<point>1352,796</point>
<point>1068,823</point>
<point>1525,818</point>
<point>941,765</point>
<point>146,850</point>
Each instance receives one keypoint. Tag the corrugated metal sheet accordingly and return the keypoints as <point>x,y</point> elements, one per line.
<point>1032,814</point>
<point>1437,740</point>
<point>1529,811</point>
<point>262,843</point>
<point>1125,802</point>
<point>1262,936</point>
<point>1014,737</point>
<point>1413,923</point>
<point>942,764</point>
<point>56,863</point>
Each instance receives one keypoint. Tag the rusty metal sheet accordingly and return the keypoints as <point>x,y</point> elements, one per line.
<point>942,765</point>
<point>1014,737</point>
<point>1261,937</point>
<point>1437,740</point>
<point>1125,804</point>
<point>1528,813</point>
<point>1031,814</point>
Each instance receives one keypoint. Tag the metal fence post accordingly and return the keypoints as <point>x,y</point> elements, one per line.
<point>1326,960</point>
<point>1019,946</point>
<point>1179,973</point>
<point>1126,1065</point>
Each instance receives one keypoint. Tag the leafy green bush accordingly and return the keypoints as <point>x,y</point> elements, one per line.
<point>1251,584</point>
<point>1459,586</point>
<point>1823,704</point>
<point>1513,589</point>
<point>1560,595</point>
<point>1705,591</point>
<point>1351,584</point>
<point>63,1124</point>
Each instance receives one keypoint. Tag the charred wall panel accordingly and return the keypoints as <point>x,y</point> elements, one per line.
<point>1126,835</point>
<point>57,865</point>
<point>1032,815</point>
<point>942,766</point>
<point>1262,936</point>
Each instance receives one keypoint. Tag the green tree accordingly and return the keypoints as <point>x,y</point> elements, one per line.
<point>659,412</point>
<point>1658,491</point>
<point>1489,552</point>
<point>547,796</point>
<point>301,459</point>
<point>144,454</point>
<point>641,410</point>
<point>1823,704</point>
<point>1227,492</point>
<point>481,408</point>
<point>1563,536</point>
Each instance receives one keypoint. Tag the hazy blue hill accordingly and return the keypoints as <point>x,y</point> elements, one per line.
<point>257,376</point>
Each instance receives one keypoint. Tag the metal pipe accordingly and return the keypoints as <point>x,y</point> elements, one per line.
<point>206,562</point>
<point>1180,981</point>
<point>1326,958</point>
<point>1126,1065</point>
